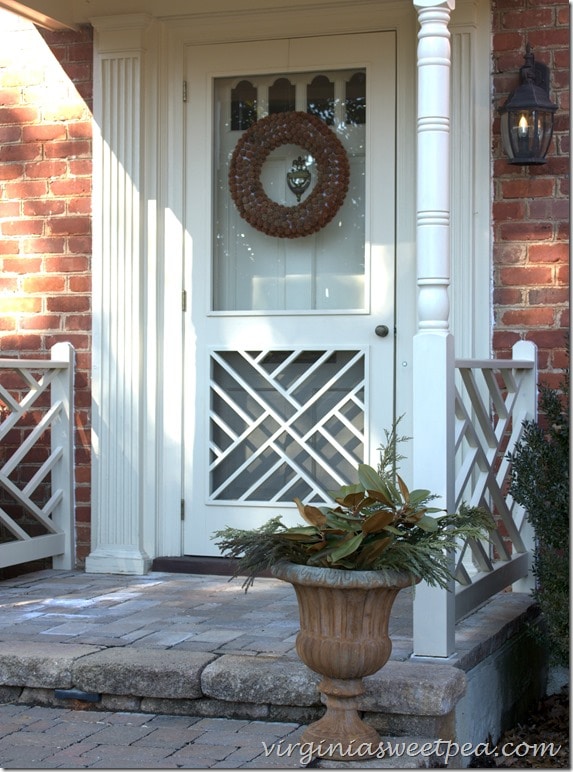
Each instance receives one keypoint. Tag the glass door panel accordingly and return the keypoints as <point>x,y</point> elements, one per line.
<point>325,271</point>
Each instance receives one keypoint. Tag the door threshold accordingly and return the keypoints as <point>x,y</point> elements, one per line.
<point>197,564</point>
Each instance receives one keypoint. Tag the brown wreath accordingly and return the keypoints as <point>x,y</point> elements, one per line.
<point>251,151</point>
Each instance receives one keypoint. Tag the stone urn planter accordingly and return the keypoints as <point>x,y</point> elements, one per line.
<point>347,563</point>
<point>343,636</point>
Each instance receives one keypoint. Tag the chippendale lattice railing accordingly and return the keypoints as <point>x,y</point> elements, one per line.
<point>36,459</point>
<point>493,398</point>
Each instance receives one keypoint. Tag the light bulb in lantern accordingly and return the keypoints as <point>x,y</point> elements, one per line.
<point>523,126</point>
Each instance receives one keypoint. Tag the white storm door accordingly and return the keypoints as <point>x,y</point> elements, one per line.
<point>289,383</point>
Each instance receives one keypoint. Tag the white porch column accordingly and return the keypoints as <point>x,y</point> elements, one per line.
<point>119,278</point>
<point>433,351</point>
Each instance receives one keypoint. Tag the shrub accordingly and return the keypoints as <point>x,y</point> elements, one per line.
<point>540,483</point>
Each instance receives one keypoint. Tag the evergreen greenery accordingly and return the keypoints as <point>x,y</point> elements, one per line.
<point>540,483</point>
<point>377,524</point>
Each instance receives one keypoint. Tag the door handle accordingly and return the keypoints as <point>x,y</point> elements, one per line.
<point>381,330</point>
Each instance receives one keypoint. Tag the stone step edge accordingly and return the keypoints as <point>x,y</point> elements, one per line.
<point>386,724</point>
<point>402,688</point>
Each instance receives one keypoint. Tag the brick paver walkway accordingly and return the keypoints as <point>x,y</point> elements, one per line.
<point>52,622</point>
<point>51,738</point>
<point>165,611</point>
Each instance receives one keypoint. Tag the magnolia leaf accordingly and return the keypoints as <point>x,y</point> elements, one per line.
<point>350,564</point>
<point>322,556</point>
<point>352,500</point>
<point>369,501</point>
<point>393,491</point>
<point>427,524</point>
<point>338,523</point>
<point>343,516</point>
<point>307,534</point>
<point>403,489</point>
<point>341,512</point>
<point>414,516</point>
<point>335,534</point>
<point>347,547</point>
<point>381,497</point>
<point>370,479</point>
<point>345,490</point>
<point>371,552</point>
<point>377,522</point>
<point>311,514</point>
<point>316,547</point>
<point>419,495</point>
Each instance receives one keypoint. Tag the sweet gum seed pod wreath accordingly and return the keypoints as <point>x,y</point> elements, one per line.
<point>326,198</point>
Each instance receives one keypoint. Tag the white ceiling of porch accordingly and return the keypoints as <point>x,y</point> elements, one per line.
<point>61,14</point>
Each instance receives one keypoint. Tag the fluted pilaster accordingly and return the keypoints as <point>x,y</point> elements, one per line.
<point>118,292</point>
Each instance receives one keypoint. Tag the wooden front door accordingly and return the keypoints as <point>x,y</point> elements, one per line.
<point>289,378</point>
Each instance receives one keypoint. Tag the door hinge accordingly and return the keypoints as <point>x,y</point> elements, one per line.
<point>184,90</point>
<point>182,509</point>
<point>184,300</point>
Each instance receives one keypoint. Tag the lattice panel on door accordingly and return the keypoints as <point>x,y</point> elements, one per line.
<point>285,423</point>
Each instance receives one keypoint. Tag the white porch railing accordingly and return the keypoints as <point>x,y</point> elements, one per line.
<point>36,459</point>
<point>492,399</point>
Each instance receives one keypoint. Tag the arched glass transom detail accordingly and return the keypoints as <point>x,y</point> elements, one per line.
<point>320,98</point>
<point>282,96</point>
<point>243,106</point>
<point>356,99</point>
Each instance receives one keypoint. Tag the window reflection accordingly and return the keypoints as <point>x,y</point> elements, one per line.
<point>320,99</point>
<point>243,106</point>
<point>356,99</point>
<point>282,96</point>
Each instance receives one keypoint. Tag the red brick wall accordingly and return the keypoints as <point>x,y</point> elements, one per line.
<point>45,211</point>
<point>45,189</point>
<point>531,203</point>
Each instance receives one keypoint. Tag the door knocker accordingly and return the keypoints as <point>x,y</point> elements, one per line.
<point>299,177</point>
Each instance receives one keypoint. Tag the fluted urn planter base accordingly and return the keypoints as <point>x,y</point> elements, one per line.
<point>343,636</point>
<point>341,733</point>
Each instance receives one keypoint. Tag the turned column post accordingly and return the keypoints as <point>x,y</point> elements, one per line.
<point>433,351</point>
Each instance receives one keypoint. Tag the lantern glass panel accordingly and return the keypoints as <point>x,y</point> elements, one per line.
<point>526,134</point>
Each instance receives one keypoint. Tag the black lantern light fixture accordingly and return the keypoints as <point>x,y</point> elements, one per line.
<point>527,115</point>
